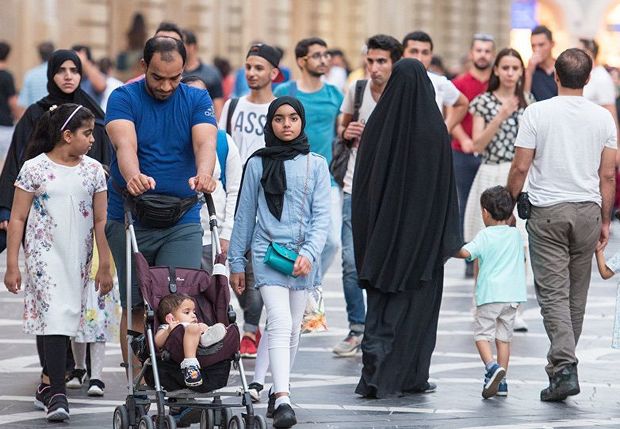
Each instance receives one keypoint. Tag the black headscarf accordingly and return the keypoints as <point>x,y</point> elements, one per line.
<point>405,214</point>
<point>56,95</point>
<point>277,151</point>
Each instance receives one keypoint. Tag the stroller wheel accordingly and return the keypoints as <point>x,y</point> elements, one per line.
<point>259,423</point>
<point>168,423</point>
<point>146,423</point>
<point>227,416</point>
<point>121,418</point>
<point>207,419</point>
<point>236,423</point>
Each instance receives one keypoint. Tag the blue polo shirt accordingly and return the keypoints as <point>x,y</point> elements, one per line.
<point>543,85</point>
<point>164,133</point>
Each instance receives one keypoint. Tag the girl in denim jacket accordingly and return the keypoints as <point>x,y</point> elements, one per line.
<point>284,199</point>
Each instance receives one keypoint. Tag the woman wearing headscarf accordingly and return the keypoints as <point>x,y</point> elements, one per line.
<point>405,223</point>
<point>64,73</point>
<point>282,218</point>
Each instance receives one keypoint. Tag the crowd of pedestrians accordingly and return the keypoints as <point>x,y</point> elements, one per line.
<point>509,165</point>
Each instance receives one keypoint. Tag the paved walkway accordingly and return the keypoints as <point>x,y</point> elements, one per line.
<point>323,385</point>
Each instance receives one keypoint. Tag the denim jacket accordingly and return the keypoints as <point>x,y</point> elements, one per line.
<point>303,226</point>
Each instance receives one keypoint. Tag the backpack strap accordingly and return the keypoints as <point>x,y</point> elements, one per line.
<point>231,109</point>
<point>222,155</point>
<point>358,98</point>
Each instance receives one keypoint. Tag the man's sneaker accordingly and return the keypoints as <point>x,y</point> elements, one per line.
<point>271,404</point>
<point>192,375</point>
<point>502,389</point>
<point>350,345</point>
<point>42,397</point>
<point>214,334</point>
<point>58,408</point>
<point>284,417</point>
<point>185,416</point>
<point>425,388</point>
<point>95,387</point>
<point>492,378</point>
<point>519,325</point>
<point>249,345</point>
<point>254,390</point>
<point>76,379</point>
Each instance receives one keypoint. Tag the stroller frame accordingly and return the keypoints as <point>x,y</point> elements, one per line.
<point>134,412</point>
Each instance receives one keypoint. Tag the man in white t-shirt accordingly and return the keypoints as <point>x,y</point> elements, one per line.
<point>244,119</point>
<point>568,146</point>
<point>451,102</point>
<point>382,52</point>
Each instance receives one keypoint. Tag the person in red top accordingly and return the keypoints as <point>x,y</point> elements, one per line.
<point>471,84</point>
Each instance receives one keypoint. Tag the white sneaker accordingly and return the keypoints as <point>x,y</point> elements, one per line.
<point>96,388</point>
<point>76,379</point>
<point>214,334</point>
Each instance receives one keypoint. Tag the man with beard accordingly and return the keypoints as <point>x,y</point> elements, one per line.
<point>322,103</point>
<point>244,119</point>
<point>472,83</point>
<point>164,138</point>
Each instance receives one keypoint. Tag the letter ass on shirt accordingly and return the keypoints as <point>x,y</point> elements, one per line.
<point>246,126</point>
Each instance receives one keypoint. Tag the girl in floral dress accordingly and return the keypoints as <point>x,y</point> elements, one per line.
<point>60,198</point>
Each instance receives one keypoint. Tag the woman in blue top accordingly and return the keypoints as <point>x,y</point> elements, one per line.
<point>284,199</point>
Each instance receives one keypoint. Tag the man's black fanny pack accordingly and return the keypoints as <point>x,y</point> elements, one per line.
<point>160,211</point>
<point>157,210</point>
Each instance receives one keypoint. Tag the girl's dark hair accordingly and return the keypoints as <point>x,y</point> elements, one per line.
<point>494,79</point>
<point>47,134</point>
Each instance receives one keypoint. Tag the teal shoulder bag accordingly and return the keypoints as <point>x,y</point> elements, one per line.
<point>278,256</point>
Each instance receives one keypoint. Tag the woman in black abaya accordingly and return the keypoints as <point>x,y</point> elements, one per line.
<point>405,226</point>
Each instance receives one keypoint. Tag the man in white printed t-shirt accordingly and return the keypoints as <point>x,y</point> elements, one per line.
<point>568,146</point>
<point>382,52</point>
<point>244,119</point>
<point>451,102</point>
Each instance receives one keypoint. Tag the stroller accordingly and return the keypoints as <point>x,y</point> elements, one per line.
<point>160,371</point>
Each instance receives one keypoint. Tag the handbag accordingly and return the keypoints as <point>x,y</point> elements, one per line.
<point>341,148</point>
<point>280,257</point>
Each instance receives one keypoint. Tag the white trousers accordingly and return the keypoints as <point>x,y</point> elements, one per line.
<point>285,310</point>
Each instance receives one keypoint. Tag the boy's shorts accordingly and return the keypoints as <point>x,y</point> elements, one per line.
<point>495,321</point>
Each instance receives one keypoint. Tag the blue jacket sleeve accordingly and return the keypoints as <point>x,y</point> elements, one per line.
<point>320,212</point>
<point>245,218</point>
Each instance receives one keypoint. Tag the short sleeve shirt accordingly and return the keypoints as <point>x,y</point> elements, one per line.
<point>543,85</point>
<point>164,134</point>
<point>500,254</point>
<point>614,263</point>
<point>502,145</point>
<point>446,93</point>
<point>470,87</point>
<point>210,76</point>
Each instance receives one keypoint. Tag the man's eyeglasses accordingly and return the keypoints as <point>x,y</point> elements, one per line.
<point>484,37</point>
<point>317,56</point>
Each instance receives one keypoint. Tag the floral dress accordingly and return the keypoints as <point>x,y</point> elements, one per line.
<point>58,242</point>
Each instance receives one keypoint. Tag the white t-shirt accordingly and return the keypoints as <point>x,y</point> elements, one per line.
<point>446,94</point>
<point>368,105</point>
<point>600,89</point>
<point>569,134</point>
<point>247,126</point>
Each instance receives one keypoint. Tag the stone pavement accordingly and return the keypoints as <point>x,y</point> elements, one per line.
<point>322,384</point>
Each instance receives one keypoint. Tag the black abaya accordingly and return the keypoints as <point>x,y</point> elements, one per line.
<point>405,223</point>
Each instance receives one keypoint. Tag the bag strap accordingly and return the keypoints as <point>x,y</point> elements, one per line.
<point>222,155</point>
<point>358,98</point>
<point>172,279</point>
<point>231,109</point>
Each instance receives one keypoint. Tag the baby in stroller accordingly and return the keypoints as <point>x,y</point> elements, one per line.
<point>180,309</point>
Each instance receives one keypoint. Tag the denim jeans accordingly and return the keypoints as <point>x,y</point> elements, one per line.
<point>353,294</point>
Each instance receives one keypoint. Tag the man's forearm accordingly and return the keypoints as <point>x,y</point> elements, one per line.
<point>608,190</point>
<point>205,158</point>
<point>516,180</point>
<point>455,116</point>
<point>127,162</point>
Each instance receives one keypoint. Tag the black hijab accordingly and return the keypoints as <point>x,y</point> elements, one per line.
<point>56,95</point>
<point>277,151</point>
<point>405,214</point>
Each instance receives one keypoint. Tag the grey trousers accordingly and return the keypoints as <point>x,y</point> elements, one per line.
<point>562,239</point>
